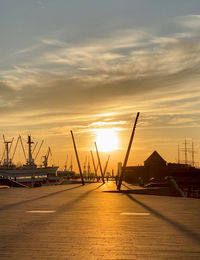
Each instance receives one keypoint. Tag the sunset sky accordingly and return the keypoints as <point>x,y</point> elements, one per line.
<point>88,65</point>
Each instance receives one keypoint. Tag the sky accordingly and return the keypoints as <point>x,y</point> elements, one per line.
<point>87,65</point>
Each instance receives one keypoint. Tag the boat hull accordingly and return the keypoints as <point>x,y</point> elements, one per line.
<point>20,172</point>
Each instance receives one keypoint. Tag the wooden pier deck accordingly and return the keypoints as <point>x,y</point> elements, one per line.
<point>85,222</point>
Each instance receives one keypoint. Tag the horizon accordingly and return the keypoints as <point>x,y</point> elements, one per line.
<point>65,159</point>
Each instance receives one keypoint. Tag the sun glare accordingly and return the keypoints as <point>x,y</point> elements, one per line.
<point>107,140</point>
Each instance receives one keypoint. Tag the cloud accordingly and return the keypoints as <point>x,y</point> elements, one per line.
<point>102,124</point>
<point>131,71</point>
<point>183,121</point>
<point>191,21</point>
<point>54,42</point>
<point>27,50</point>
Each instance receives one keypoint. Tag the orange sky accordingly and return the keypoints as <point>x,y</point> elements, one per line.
<point>147,139</point>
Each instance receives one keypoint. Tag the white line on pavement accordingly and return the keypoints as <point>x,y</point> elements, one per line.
<point>40,211</point>
<point>135,213</point>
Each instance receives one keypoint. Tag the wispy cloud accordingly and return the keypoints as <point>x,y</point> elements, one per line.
<point>110,124</point>
<point>130,71</point>
<point>191,21</point>
<point>26,50</point>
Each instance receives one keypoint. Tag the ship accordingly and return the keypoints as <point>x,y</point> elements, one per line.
<point>30,170</point>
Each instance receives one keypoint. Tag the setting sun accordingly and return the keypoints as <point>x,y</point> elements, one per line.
<point>107,140</point>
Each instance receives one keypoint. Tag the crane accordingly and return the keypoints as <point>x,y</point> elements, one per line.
<point>45,162</point>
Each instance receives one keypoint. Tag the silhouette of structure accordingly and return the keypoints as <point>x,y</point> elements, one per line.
<point>155,160</point>
<point>186,176</point>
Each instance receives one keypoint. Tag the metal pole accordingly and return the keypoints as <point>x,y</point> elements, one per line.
<point>104,172</point>
<point>79,166</point>
<point>71,166</point>
<point>30,159</point>
<point>99,163</point>
<point>127,154</point>
<point>65,166</point>
<point>193,153</point>
<point>7,149</point>
<point>178,154</point>
<point>185,150</point>
<point>95,169</point>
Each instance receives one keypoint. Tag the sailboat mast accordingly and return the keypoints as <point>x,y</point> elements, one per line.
<point>193,163</point>
<point>178,154</point>
<point>185,151</point>
<point>7,150</point>
<point>30,159</point>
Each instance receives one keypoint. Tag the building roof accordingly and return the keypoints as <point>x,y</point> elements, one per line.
<point>155,158</point>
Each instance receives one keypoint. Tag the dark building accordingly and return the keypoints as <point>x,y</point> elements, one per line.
<point>155,160</point>
<point>156,167</point>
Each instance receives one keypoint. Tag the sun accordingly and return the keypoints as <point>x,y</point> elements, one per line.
<point>107,140</point>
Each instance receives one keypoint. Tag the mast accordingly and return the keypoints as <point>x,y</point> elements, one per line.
<point>193,153</point>
<point>178,154</point>
<point>30,159</point>
<point>71,165</point>
<point>7,149</point>
<point>65,166</point>
<point>185,151</point>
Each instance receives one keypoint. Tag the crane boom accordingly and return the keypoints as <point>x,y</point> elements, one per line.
<point>34,147</point>
<point>39,149</point>
<point>11,144</point>
<point>20,138</point>
<point>15,148</point>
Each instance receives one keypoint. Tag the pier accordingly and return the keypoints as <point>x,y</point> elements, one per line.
<point>95,221</point>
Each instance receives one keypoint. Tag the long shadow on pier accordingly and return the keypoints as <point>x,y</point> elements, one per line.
<point>45,196</point>
<point>193,235</point>
<point>71,204</point>
<point>43,220</point>
<point>99,186</point>
<point>38,198</point>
